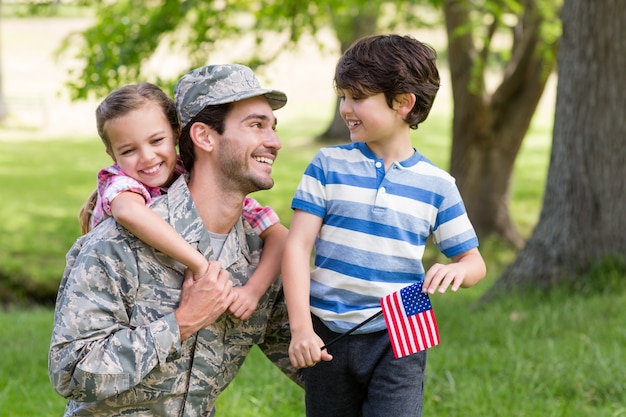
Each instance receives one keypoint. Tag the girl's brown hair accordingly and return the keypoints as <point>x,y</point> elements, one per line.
<point>130,97</point>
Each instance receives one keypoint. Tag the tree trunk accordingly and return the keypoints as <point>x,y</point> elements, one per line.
<point>348,28</point>
<point>337,131</point>
<point>488,129</point>
<point>582,218</point>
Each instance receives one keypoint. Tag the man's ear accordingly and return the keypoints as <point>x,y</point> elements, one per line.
<point>202,136</point>
<point>403,103</point>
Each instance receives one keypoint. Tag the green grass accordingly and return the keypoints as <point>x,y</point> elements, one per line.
<point>541,355</point>
<point>43,185</point>
<point>557,354</point>
<point>532,356</point>
<point>24,386</point>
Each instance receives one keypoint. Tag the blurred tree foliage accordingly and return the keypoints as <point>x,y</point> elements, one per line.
<point>511,41</point>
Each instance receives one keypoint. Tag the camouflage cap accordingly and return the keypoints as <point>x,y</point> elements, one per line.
<point>219,84</point>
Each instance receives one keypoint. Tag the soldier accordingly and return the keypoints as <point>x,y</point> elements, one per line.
<point>133,334</point>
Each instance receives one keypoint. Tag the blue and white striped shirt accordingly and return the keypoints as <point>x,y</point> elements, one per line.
<point>374,230</point>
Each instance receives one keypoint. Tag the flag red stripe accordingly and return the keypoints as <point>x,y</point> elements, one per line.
<point>403,325</point>
<point>392,318</point>
<point>431,326</point>
<point>426,334</point>
<point>418,332</point>
<point>396,320</point>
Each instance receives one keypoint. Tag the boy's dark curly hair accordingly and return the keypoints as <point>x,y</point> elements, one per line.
<point>392,65</point>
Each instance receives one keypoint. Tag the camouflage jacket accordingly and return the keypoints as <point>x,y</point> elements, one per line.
<point>116,347</point>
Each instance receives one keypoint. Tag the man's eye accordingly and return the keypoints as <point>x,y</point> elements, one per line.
<point>126,152</point>
<point>158,140</point>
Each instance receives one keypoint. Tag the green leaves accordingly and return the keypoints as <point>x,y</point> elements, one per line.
<point>127,35</point>
<point>120,48</point>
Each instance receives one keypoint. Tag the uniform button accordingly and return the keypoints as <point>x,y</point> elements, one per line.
<point>378,164</point>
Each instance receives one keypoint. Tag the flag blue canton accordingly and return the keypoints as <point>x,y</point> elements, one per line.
<point>414,300</point>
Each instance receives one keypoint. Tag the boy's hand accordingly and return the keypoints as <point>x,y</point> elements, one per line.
<point>441,276</point>
<point>306,350</point>
<point>466,270</point>
<point>245,303</point>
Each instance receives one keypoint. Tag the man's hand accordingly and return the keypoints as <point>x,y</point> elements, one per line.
<point>202,301</point>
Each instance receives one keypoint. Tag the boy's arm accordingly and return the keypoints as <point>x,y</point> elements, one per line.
<point>129,209</point>
<point>269,268</point>
<point>305,349</point>
<point>467,269</point>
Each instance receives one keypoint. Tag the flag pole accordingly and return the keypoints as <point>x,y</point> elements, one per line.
<point>364,322</point>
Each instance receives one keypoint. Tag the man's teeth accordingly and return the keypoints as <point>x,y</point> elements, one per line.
<point>264,160</point>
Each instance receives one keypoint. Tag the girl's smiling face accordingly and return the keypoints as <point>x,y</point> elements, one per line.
<point>143,144</point>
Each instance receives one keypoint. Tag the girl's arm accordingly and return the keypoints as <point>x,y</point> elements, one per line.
<point>269,268</point>
<point>129,209</point>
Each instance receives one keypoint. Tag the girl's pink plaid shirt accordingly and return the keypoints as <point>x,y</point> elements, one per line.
<point>112,181</point>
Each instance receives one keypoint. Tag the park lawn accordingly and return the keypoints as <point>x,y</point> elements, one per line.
<point>556,354</point>
<point>534,356</point>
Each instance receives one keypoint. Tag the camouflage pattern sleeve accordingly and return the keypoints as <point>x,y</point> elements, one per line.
<point>96,351</point>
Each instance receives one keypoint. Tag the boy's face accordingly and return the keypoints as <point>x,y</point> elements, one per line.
<point>144,145</point>
<point>370,119</point>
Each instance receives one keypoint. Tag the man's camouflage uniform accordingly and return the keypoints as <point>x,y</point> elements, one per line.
<point>116,347</point>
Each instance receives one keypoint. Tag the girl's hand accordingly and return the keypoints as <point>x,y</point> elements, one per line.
<point>245,303</point>
<point>201,272</point>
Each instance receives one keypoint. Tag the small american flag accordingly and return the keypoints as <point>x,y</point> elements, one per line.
<point>410,320</point>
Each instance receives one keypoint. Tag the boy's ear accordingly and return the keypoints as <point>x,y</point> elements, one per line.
<point>202,136</point>
<point>403,103</point>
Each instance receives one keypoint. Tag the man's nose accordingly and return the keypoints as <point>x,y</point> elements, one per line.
<point>272,141</point>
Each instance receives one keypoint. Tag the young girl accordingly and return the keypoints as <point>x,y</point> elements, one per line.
<point>139,127</point>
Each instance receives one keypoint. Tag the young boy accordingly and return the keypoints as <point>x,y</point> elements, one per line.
<point>368,208</point>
